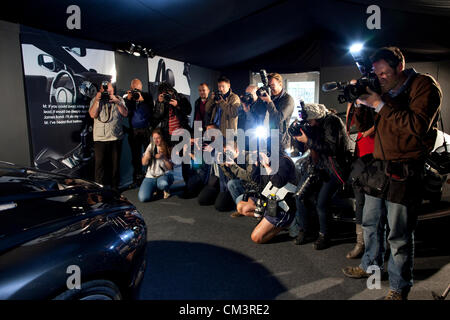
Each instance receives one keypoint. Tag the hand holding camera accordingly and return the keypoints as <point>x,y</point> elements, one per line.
<point>371,99</point>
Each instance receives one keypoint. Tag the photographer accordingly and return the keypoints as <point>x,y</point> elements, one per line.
<point>239,175</point>
<point>280,106</point>
<point>140,109</point>
<point>325,137</point>
<point>252,111</point>
<point>270,224</point>
<point>224,111</point>
<point>159,171</point>
<point>363,146</point>
<point>107,111</point>
<point>215,187</point>
<point>405,132</point>
<point>171,112</point>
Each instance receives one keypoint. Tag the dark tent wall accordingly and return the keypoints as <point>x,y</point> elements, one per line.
<point>14,142</point>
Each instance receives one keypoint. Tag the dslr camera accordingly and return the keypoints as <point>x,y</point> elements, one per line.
<point>104,95</point>
<point>167,97</point>
<point>217,95</point>
<point>265,89</point>
<point>247,98</point>
<point>302,123</point>
<point>135,94</point>
<point>351,92</point>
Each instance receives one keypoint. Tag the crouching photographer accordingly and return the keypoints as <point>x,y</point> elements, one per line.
<point>405,132</point>
<point>273,198</point>
<point>325,168</point>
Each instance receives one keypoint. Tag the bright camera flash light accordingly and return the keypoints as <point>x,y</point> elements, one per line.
<point>356,48</point>
<point>261,132</point>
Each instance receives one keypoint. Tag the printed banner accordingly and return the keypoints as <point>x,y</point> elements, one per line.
<point>61,77</point>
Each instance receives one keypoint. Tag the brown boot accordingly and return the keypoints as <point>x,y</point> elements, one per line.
<point>358,250</point>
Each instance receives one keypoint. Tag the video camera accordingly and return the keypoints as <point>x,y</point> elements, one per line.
<point>105,94</point>
<point>351,92</point>
<point>265,89</point>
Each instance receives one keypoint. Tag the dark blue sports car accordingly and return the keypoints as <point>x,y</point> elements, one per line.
<point>67,238</point>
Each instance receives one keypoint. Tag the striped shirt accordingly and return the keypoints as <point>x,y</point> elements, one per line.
<point>174,123</point>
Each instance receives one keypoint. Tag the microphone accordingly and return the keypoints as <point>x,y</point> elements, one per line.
<point>329,86</point>
<point>332,86</point>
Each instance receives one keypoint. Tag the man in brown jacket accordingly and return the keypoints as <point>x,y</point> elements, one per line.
<point>224,112</point>
<point>405,132</point>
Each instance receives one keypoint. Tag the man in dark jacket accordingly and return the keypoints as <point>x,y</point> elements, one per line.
<point>405,133</point>
<point>202,104</point>
<point>140,109</point>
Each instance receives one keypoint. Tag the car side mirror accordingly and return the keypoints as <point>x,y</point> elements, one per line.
<point>46,61</point>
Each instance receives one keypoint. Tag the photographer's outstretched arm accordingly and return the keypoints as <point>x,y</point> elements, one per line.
<point>423,108</point>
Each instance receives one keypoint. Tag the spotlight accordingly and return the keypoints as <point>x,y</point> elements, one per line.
<point>148,53</point>
<point>132,48</point>
<point>137,51</point>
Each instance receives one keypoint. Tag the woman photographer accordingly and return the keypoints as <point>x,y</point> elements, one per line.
<point>159,172</point>
<point>326,139</point>
<point>270,225</point>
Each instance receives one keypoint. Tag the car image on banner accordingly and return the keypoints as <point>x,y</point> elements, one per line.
<point>61,77</point>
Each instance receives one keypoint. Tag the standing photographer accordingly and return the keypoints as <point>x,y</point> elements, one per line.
<point>107,111</point>
<point>280,106</point>
<point>171,111</point>
<point>405,132</point>
<point>326,139</point>
<point>252,111</point>
<point>223,113</point>
<point>140,108</point>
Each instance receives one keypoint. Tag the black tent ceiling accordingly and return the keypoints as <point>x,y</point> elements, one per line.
<point>290,36</point>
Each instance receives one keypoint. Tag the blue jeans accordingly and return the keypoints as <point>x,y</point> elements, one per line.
<point>149,185</point>
<point>303,212</point>
<point>236,189</point>
<point>401,239</point>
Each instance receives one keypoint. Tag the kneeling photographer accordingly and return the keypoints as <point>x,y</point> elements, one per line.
<point>324,171</point>
<point>273,200</point>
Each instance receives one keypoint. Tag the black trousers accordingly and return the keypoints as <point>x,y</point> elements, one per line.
<point>107,162</point>
<point>139,140</point>
<point>211,194</point>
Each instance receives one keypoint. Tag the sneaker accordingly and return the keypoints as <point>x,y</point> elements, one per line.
<point>235,214</point>
<point>394,295</point>
<point>322,242</point>
<point>355,272</point>
<point>166,194</point>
